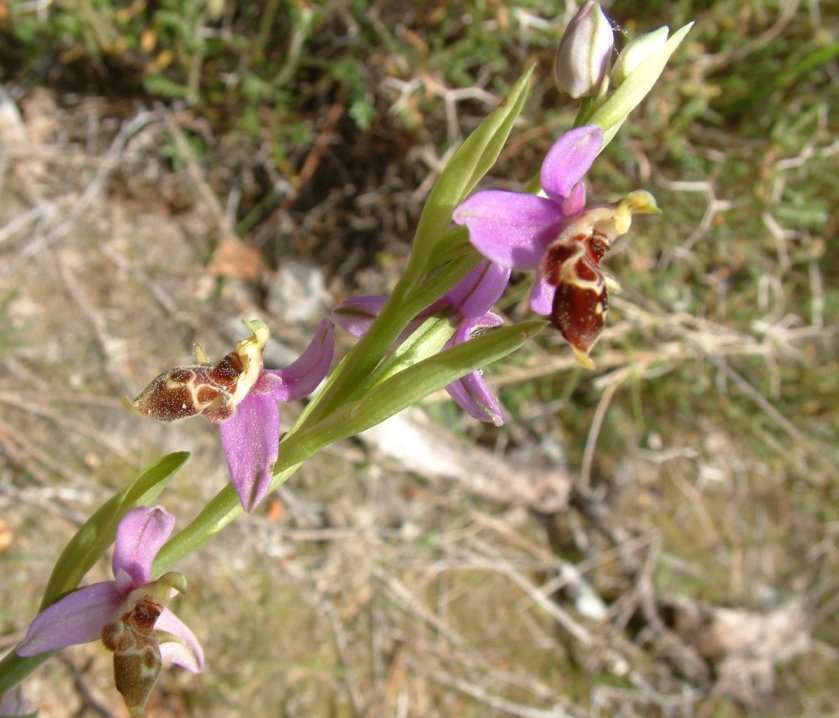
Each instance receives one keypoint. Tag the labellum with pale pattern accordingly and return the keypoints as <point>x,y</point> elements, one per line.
<point>201,388</point>
<point>572,265</point>
<point>137,658</point>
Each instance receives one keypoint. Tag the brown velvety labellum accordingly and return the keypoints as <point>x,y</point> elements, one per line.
<point>137,659</point>
<point>580,314</point>
<point>227,372</point>
<point>558,253</point>
<point>168,397</point>
<point>572,265</point>
<point>187,391</point>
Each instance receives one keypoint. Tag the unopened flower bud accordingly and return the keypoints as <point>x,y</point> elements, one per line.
<point>636,51</point>
<point>582,59</point>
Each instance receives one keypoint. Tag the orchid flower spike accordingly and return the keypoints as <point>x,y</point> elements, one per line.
<point>129,613</point>
<point>556,236</point>
<point>242,397</point>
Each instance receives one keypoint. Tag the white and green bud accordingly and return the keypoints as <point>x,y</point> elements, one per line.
<point>636,51</point>
<point>582,59</point>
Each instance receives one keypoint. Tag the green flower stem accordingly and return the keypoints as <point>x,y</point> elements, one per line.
<point>218,513</point>
<point>587,106</point>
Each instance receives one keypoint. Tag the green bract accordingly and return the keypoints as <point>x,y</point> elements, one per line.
<point>611,114</point>
<point>472,160</point>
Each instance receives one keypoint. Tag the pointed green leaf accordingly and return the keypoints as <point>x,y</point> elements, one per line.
<point>472,160</point>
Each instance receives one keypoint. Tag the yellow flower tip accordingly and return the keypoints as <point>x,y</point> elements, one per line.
<point>641,202</point>
<point>584,359</point>
<point>131,405</point>
<point>638,202</point>
<point>260,335</point>
<point>201,357</point>
<point>171,580</point>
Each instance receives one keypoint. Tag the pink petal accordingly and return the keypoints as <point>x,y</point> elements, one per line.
<point>576,201</point>
<point>303,377</point>
<point>13,703</point>
<point>357,314</point>
<point>569,159</point>
<point>489,320</point>
<point>509,228</point>
<point>471,391</point>
<point>140,535</point>
<point>186,652</point>
<point>467,327</point>
<point>77,618</point>
<point>474,396</point>
<point>542,297</point>
<point>250,440</point>
<point>479,290</point>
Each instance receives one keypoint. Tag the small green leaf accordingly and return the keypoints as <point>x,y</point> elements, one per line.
<point>98,532</point>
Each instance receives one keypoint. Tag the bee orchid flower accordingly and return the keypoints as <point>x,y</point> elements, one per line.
<point>557,236</point>
<point>242,397</point>
<point>129,613</point>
